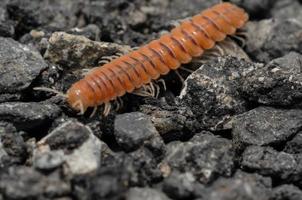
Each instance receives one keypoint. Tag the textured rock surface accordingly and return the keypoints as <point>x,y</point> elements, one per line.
<point>279,83</point>
<point>266,126</point>
<point>246,91</point>
<point>19,66</point>
<point>211,92</point>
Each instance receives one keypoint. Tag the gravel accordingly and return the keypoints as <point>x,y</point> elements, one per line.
<point>230,129</point>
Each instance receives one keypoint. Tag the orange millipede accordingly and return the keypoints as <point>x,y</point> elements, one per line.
<point>140,67</point>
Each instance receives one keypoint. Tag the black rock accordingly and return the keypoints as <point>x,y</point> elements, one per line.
<point>294,146</point>
<point>266,126</point>
<point>30,14</point>
<point>169,120</point>
<point>273,38</point>
<point>68,136</point>
<point>132,130</point>
<point>243,186</point>
<point>205,155</point>
<point>288,192</point>
<point>137,193</point>
<point>267,161</point>
<point>211,92</point>
<point>12,147</point>
<point>26,183</point>
<point>7,28</point>
<point>19,66</point>
<point>27,116</point>
<point>257,9</point>
<point>279,83</point>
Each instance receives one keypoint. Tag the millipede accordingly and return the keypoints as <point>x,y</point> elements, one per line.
<point>131,71</point>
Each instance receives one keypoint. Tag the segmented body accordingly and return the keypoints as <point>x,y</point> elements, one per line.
<point>158,57</point>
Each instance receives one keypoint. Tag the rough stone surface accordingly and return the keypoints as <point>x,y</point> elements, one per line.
<point>274,38</point>
<point>7,28</point>
<point>287,9</point>
<point>267,161</point>
<point>242,186</point>
<point>289,192</point>
<point>205,155</point>
<point>82,150</point>
<point>211,92</point>
<point>146,194</point>
<point>26,183</point>
<point>294,146</point>
<point>26,116</point>
<point>48,160</point>
<point>180,185</point>
<point>131,130</point>
<point>279,83</point>
<point>19,66</point>
<point>12,146</point>
<point>78,51</point>
<point>266,126</point>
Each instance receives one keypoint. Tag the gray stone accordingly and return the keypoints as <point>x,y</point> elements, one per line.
<point>243,186</point>
<point>12,146</point>
<point>288,192</point>
<point>287,9</point>
<point>211,92</point>
<point>266,126</point>
<point>273,38</point>
<point>206,156</point>
<point>146,194</point>
<point>180,185</point>
<point>7,28</point>
<point>82,150</point>
<point>19,66</point>
<point>132,130</point>
<point>78,51</point>
<point>48,160</point>
<point>278,83</point>
<point>27,116</point>
<point>294,146</point>
<point>267,161</point>
<point>26,183</point>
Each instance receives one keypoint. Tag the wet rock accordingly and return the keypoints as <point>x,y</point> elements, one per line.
<point>27,116</point>
<point>289,192</point>
<point>170,119</point>
<point>78,51</point>
<point>267,161</point>
<point>82,150</point>
<point>294,146</point>
<point>211,92</point>
<point>19,66</point>
<point>12,147</point>
<point>30,14</point>
<point>180,185</point>
<point>266,126</point>
<point>278,83</point>
<point>146,194</point>
<point>7,28</point>
<point>241,187</point>
<point>26,183</point>
<point>205,155</point>
<point>274,38</point>
<point>256,9</point>
<point>287,9</point>
<point>131,130</point>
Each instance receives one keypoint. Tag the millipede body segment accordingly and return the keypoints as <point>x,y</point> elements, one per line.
<point>139,67</point>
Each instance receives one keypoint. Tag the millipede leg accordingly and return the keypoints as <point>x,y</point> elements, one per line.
<point>107,109</point>
<point>180,77</point>
<point>162,81</point>
<point>95,108</point>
